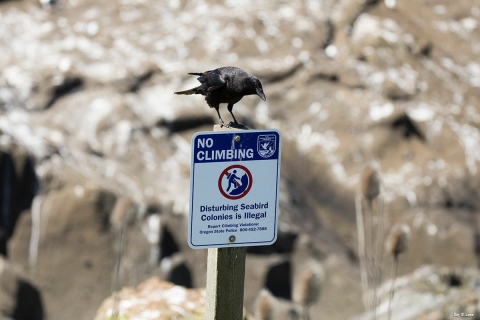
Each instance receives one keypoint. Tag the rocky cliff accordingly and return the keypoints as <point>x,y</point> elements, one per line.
<point>95,147</point>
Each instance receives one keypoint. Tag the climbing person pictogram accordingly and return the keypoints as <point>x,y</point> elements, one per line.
<point>235,182</point>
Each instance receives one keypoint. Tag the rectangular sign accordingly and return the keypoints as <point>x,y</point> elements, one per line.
<point>234,188</point>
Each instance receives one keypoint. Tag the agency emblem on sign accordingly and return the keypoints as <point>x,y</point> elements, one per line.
<point>266,145</point>
<point>234,188</point>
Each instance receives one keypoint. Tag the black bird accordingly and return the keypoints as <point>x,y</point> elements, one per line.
<point>226,85</point>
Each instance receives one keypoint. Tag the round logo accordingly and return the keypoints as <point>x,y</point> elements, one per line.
<point>235,182</point>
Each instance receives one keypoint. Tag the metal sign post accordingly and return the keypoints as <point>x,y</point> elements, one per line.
<point>233,204</point>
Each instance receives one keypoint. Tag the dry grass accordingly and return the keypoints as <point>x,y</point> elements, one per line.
<point>308,287</point>
<point>370,224</point>
<point>371,221</point>
<point>264,306</point>
<point>396,244</point>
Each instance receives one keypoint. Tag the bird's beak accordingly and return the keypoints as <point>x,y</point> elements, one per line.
<point>261,94</point>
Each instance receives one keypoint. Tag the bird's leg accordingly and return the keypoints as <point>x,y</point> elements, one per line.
<point>234,124</point>
<point>219,117</point>
<point>230,107</point>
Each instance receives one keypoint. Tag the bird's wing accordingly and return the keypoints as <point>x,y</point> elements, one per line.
<point>210,89</point>
<point>215,80</point>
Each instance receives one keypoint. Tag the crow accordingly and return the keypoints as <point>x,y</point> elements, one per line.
<point>226,85</point>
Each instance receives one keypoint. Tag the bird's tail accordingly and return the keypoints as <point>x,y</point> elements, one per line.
<point>195,73</point>
<point>189,91</point>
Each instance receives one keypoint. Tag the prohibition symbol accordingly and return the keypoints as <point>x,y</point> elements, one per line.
<point>235,182</point>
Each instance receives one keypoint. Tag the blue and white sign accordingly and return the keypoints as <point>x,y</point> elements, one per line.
<point>234,188</point>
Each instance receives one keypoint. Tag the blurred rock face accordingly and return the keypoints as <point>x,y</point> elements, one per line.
<point>19,299</point>
<point>86,90</point>
<point>433,293</point>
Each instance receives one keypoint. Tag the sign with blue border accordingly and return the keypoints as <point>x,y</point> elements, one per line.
<point>234,188</point>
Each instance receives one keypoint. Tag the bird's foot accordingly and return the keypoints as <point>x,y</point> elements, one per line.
<point>237,125</point>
